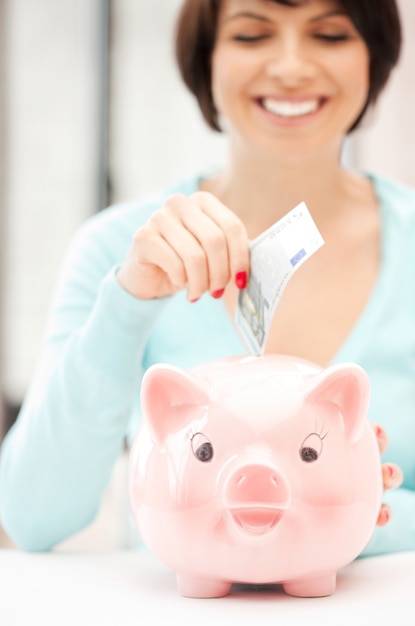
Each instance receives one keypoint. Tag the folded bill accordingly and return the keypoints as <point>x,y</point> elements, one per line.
<point>275,255</point>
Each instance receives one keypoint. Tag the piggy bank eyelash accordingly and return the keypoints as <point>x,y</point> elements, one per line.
<point>312,447</point>
<point>202,447</point>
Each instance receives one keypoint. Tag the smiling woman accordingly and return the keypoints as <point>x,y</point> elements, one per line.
<point>158,280</point>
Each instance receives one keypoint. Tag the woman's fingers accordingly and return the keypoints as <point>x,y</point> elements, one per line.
<point>151,269</point>
<point>186,264</point>
<point>206,257</point>
<point>231,225</point>
<point>392,476</point>
<point>192,242</point>
<point>384,515</point>
<point>222,238</point>
<point>382,438</point>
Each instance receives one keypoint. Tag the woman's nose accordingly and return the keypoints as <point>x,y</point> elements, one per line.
<point>291,62</point>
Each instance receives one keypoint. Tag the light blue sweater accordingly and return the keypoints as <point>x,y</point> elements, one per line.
<point>56,461</point>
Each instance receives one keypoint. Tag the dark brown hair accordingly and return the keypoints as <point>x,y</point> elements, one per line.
<point>377,21</point>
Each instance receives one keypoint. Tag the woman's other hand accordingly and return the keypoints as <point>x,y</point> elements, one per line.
<point>391,473</point>
<point>194,243</point>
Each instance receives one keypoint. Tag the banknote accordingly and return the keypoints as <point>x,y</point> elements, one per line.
<point>275,255</point>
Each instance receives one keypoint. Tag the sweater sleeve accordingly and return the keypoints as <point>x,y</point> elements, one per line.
<point>56,460</point>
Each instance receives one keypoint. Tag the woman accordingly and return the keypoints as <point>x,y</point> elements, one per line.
<point>158,281</point>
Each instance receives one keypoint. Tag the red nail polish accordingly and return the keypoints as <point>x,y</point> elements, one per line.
<point>241,280</point>
<point>391,471</point>
<point>379,431</point>
<point>218,293</point>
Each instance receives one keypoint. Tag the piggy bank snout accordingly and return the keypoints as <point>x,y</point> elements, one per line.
<point>257,484</point>
<point>256,497</point>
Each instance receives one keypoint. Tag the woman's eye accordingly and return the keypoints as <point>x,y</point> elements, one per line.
<point>332,38</point>
<point>249,38</point>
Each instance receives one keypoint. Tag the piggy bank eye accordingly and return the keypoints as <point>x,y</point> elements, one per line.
<point>311,448</point>
<point>202,448</point>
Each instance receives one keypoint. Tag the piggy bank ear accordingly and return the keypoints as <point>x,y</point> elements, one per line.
<point>171,398</point>
<point>347,387</point>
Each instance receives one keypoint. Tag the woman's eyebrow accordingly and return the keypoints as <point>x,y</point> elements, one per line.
<point>265,19</point>
<point>324,16</point>
<point>248,14</point>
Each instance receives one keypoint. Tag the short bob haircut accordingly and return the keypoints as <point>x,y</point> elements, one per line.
<point>377,21</point>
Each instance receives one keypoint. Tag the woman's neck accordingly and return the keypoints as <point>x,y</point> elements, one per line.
<point>261,192</point>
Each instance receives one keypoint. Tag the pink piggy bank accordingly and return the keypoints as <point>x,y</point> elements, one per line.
<point>255,470</point>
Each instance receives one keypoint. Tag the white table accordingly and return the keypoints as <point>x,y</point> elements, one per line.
<point>133,588</point>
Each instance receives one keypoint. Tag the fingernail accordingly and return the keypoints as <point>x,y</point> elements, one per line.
<point>379,431</point>
<point>241,280</point>
<point>385,516</point>
<point>194,300</point>
<point>391,471</point>
<point>218,293</point>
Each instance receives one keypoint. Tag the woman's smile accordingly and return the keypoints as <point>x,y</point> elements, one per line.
<point>286,110</point>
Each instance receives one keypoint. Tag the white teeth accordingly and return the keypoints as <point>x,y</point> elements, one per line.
<point>290,109</point>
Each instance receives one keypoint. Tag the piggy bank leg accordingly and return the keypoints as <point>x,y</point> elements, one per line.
<point>194,587</point>
<point>312,587</point>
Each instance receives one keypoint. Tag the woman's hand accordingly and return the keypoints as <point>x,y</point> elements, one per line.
<point>391,473</point>
<point>194,243</point>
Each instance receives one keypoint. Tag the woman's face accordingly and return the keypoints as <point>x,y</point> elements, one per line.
<point>286,77</point>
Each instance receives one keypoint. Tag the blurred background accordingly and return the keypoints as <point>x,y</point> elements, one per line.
<point>92,111</point>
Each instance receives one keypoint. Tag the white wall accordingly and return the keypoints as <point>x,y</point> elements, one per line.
<point>157,135</point>
<point>157,132</point>
<point>50,92</point>
<point>51,88</point>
